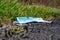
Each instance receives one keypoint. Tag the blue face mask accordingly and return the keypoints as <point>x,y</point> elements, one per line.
<point>28,19</point>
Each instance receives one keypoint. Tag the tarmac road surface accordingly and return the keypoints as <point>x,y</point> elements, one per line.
<point>36,31</point>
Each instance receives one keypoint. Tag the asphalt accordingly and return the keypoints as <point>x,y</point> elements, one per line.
<point>34,31</point>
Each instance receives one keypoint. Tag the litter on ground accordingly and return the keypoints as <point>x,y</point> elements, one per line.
<point>28,19</point>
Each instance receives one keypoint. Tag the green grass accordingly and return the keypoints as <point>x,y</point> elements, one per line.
<point>10,10</point>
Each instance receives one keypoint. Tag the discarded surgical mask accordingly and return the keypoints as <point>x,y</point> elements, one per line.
<point>30,19</point>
